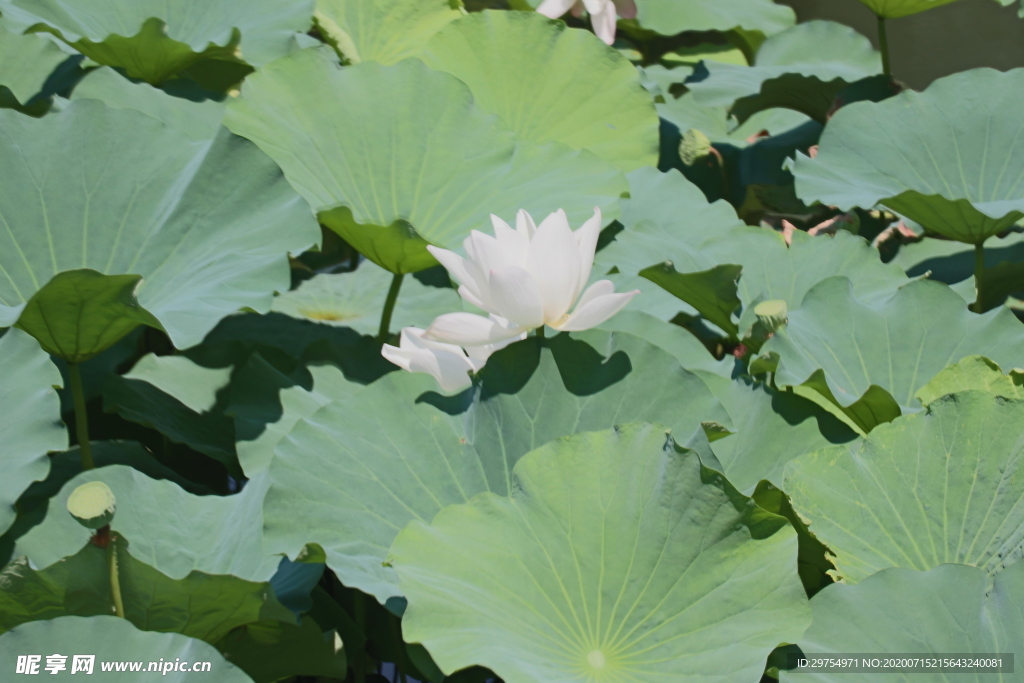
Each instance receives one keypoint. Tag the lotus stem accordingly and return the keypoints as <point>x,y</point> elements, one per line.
<point>389,308</point>
<point>540,332</point>
<point>979,276</point>
<point>883,46</point>
<point>81,418</point>
<point>115,583</point>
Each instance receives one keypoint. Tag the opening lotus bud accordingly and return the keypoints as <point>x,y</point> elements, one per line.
<point>694,146</point>
<point>772,314</point>
<point>92,504</point>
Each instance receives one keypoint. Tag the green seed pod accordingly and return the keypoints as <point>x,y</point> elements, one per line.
<point>772,314</point>
<point>694,146</point>
<point>92,504</point>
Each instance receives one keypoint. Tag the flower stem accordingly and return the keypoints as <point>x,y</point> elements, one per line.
<point>540,332</point>
<point>81,418</point>
<point>389,308</point>
<point>883,45</point>
<point>979,276</point>
<point>115,583</point>
<point>359,615</point>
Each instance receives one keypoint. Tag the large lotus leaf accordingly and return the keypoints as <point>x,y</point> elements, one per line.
<point>618,557</point>
<point>688,350</point>
<point>825,51</point>
<point>942,486</point>
<point>771,268</point>
<point>870,357</point>
<point>26,61</point>
<point>385,31</point>
<point>949,157</point>
<point>113,640</point>
<point>666,218</point>
<point>199,605</point>
<point>273,651</point>
<point>389,184</point>
<point>771,428</point>
<point>974,373</point>
<point>893,9</point>
<point>548,82</point>
<point>946,610</point>
<point>353,474</point>
<point>669,17</point>
<point>208,225</point>
<point>154,39</point>
<point>356,300</point>
<point>31,425</point>
<point>200,120</point>
<point>719,126</point>
<point>171,530</point>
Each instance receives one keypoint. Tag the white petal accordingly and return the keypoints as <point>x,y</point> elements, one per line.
<point>464,272</point>
<point>490,254</point>
<point>554,263</point>
<point>586,241</point>
<point>467,329</point>
<point>604,23</point>
<point>525,225</point>
<point>516,297</point>
<point>511,241</point>
<point>397,356</point>
<point>472,299</point>
<point>446,363</point>
<point>478,355</point>
<point>596,311</point>
<point>599,288</point>
<point>555,8</point>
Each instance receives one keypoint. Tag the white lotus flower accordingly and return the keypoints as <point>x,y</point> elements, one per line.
<point>526,278</point>
<point>446,363</point>
<point>602,13</point>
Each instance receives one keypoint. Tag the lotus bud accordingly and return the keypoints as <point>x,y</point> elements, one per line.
<point>694,146</point>
<point>92,504</point>
<point>772,314</point>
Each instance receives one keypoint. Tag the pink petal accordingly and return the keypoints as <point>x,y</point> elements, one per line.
<point>555,8</point>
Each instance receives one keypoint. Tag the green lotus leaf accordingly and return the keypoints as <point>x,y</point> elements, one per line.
<point>944,158</point>
<point>274,650</point>
<point>665,217</point>
<point>26,61</point>
<point>974,373</point>
<point>385,31</point>
<point>688,350</point>
<point>771,427</point>
<point>199,605</point>
<point>353,474</point>
<point>177,397</point>
<point>389,184</point>
<point>208,225</point>
<point>870,356</point>
<point>172,530</point>
<point>31,427</point>
<point>200,120</point>
<point>937,487</point>
<point>548,83</point>
<point>893,9</point>
<point>114,640</point>
<point>356,299</point>
<point>953,612</point>
<point>153,39</point>
<point>720,126</point>
<point>811,55</point>
<point>765,268</point>
<point>80,313</point>
<point>669,17</point>
<point>620,558</point>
